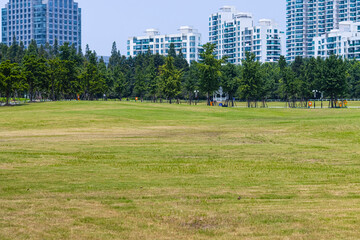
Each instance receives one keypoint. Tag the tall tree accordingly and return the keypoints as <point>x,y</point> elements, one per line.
<point>91,81</point>
<point>48,50</point>
<point>271,79</point>
<point>172,51</point>
<point>251,79</point>
<point>32,49</point>
<point>191,83</point>
<point>20,53</point>
<point>170,79</point>
<point>104,77</point>
<point>181,63</point>
<point>152,79</point>
<point>115,58</point>
<point>298,66</point>
<point>312,76</point>
<point>288,83</point>
<point>13,50</point>
<point>119,82</point>
<point>11,79</point>
<point>55,48</point>
<point>3,52</point>
<point>209,70</point>
<point>35,73</point>
<point>56,73</point>
<point>354,79</point>
<point>334,82</point>
<point>69,86</point>
<point>140,85</point>
<point>230,80</point>
<point>159,60</point>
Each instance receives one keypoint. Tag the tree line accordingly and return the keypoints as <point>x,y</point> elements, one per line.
<point>64,72</point>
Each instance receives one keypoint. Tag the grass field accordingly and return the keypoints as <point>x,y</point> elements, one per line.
<point>110,170</point>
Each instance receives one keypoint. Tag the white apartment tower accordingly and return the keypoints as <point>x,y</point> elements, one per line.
<point>264,40</point>
<point>307,19</point>
<point>225,28</point>
<point>234,33</point>
<point>187,41</point>
<point>344,42</point>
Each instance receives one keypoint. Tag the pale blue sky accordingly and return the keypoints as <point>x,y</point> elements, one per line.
<point>106,21</point>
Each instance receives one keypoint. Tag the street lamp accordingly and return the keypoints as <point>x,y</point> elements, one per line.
<point>315,95</point>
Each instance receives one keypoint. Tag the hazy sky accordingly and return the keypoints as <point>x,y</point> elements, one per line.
<point>106,21</point>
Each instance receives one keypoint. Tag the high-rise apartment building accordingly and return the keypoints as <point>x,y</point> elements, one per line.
<point>234,33</point>
<point>187,41</point>
<point>41,20</point>
<point>344,42</point>
<point>225,30</point>
<point>264,40</point>
<point>307,19</point>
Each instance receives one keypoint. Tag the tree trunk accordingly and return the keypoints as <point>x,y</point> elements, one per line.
<point>53,92</point>
<point>336,101</point>
<point>30,94</point>
<point>7,98</point>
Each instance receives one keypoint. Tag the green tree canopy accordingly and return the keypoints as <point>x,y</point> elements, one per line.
<point>209,70</point>
<point>11,79</point>
<point>170,79</point>
<point>191,82</point>
<point>230,80</point>
<point>251,79</point>
<point>334,82</point>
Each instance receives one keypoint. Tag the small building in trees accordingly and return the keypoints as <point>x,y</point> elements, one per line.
<point>220,96</point>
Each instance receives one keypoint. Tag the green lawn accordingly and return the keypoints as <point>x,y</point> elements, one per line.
<point>111,170</point>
